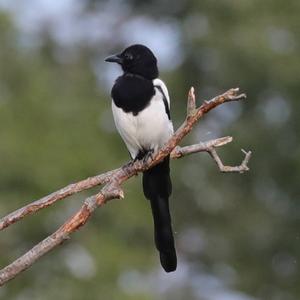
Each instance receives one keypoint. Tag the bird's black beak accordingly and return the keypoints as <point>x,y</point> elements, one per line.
<point>115,58</point>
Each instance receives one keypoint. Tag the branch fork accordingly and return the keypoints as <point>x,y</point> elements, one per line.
<point>113,180</point>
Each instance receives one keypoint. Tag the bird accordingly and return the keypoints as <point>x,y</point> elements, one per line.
<point>141,112</point>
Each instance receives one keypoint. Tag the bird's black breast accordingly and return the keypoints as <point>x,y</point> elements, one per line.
<point>132,93</point>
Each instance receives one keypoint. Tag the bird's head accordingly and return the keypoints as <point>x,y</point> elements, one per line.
<point>137,59</point>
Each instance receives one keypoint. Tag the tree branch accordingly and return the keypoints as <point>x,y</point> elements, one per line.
<point>46,201</point>
<point>210,147</point>
<point>113,181</point>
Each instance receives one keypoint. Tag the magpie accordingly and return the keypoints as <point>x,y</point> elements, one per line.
<point>141,111</point>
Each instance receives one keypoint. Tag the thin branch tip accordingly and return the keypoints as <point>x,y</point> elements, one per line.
<point>246,152</point>
<point>192,91</point>
<point>121,194</point>
<point>247,156</point>
<point>191,103</point>
<point>234,94</point>
<point>223,141</point>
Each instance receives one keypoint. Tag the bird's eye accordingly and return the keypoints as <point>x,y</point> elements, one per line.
<point>128,56</point>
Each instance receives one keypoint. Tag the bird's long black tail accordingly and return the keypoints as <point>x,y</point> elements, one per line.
<point>157,188</point>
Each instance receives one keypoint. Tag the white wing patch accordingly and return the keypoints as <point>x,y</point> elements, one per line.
<point>150,129</point>
<point>160,83</point>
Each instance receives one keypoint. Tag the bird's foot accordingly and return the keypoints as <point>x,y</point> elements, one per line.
<point>148,156</point>
<point>144,156</point>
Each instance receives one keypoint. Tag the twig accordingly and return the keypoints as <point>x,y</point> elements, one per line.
<point>243,167</point>
<point>179,152</point>
<point>113,181</point>
<point>210,147</point>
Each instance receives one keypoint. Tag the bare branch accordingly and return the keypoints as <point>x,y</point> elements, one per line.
<point>243,167</point>
<point>193,115</point>
<point>113,181</point>
<point>179,152</point>
<point>52,198</point>
<point>110,191</point>
<point>210,147</point>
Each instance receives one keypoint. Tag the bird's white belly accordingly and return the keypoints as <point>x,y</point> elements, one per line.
<point>150,129</point>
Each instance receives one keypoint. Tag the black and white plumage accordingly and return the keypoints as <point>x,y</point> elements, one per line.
<point>141,110</point>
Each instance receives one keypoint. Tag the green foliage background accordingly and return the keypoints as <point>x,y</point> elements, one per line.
<point>237,235</point>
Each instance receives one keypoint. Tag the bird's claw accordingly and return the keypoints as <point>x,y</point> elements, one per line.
<point>148,156</point>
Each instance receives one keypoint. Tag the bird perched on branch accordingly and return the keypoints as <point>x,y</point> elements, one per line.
<point>141,110</point>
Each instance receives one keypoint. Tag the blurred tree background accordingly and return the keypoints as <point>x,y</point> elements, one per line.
<point>238,236</point>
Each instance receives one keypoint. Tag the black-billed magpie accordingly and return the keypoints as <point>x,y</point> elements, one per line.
<point>141,110</point>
